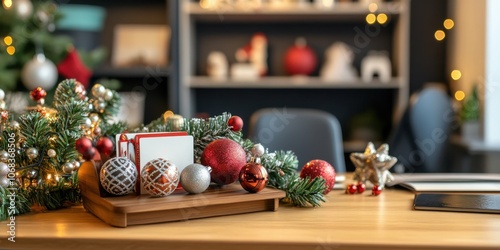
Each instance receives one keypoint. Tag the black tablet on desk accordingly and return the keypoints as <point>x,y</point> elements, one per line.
<point>479,203</point>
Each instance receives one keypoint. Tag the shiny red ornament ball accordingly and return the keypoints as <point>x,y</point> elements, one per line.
<point>90,154</point>
<point>105,146</point>
<point>37,94</point>
<point>226,158</point>
<point>320,168</point>
<point>236,123</point>
<point>361,187</point>
<point>376,190</point>
<point>253,177</point>
<point>351,189</point>
<point>83,144</point>
<point>300,59</point>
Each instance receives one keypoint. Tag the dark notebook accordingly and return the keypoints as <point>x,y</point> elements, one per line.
<point>481,203</point>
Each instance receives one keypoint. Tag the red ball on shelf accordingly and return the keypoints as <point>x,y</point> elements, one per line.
<point>37,94</point>
<point>253,177</point>
<point>376,190</point>
<point>320,168</point>
<point>83,144</point>
<point>300,59</point>
<point>226,158</point>
<point>105,146</point>
<point>236,123</point>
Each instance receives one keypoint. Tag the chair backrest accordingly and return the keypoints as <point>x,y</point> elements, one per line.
<point>422,138</point>
<point>310,134</point>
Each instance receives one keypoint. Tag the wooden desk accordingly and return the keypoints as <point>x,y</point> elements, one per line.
<point>344,222</point>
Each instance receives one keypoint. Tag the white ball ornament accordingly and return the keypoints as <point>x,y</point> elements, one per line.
<point>4,182</point>
<point>160,177</point>
<point>118,176</point>
<point>39,72</point>
<point>4,169</point>
<point>195,178</point>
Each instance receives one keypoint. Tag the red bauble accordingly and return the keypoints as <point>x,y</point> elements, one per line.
<point>351,189</point>
<point>37,94</point>
<point>320,168</point>
<point>253,177</point>
<point>236,123</point>
<point>226,158</point>
<point>89,154</point>
<point>300,59</point>
<point>376,190</point>
<point>105,146</point>
<point>361,187</point>
<point>83,145</point>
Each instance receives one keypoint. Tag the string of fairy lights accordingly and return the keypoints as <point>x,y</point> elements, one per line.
<point>7,40</point>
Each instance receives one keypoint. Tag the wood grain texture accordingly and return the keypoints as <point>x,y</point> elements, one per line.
<point>344,222</point>
<point>122,211</point>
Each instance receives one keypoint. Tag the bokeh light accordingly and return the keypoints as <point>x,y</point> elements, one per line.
<point>381,18</point>
<point>373,7</point>
<point>459,95</point>
<point>11,50</point>
<point>371,18</point>
<point>448,24</point>
<point>456,74</point>
<point>7,4</point>
<point>439,35</point>
<point>7,40</point>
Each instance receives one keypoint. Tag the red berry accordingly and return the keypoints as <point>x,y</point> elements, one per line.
<point>376,190</point>
<point>236,123</point>
<point>351,189</point>
<point>361,187</point>
<point>83,144</point>
<point>37,94</point>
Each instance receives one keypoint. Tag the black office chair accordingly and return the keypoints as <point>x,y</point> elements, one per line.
<point>310,134</point>
<point>421,140</point>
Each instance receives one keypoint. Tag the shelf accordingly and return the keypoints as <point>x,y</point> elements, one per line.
<point>111,72</point>
<point>284,82</point>
<point>304,12</point>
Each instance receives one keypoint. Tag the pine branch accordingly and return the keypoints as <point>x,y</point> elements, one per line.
<point>22,202</point>
<point>304,192</point>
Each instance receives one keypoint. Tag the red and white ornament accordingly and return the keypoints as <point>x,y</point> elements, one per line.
<point>236,123</point>
<point>160,177</point>
<point>226,158</point>
<point>118,176</point>
<point>320,168</point>
<point>38,94</point>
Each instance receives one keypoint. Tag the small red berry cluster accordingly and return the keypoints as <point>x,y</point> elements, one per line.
<point>360,188</point>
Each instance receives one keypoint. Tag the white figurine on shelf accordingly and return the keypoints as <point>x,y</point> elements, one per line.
<point>252,59</point>
<point>376,62</point>
<point>338,64</point>
<point>217,65</point>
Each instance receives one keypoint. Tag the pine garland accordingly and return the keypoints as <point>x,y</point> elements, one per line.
<point>282,166</point>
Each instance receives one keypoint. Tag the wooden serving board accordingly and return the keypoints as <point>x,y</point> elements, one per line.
<point>123,211</point>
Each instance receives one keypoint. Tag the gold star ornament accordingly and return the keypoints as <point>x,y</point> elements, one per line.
<point>373,165</point>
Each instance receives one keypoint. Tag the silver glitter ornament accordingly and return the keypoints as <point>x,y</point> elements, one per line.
<point>32,153</point>
<point>195,178</point>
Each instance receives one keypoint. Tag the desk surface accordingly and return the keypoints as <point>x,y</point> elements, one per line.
<point>344,222</point>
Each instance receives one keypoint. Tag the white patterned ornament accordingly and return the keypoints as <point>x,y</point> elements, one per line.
<point>160,177</point>
<point>118,176</point>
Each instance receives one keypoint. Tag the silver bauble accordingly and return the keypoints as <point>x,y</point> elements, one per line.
<point>76,164</point>
<point>39,72</point>
<point>258,150</point>
<point>68,167</point>
<point>4,156</point>
<point>4,182</point>
<point>108,95</point>
<point>87,123</point>
<point>94,117</point>
<point>2,94</point>
<point>15,125</point>
<point>23,8</point>
<point>32,153</point>
<point>99,106</point>
<point>195,178</point>
<point>98,90</point>
<point>51,153</point>
<point>4,169</point>
<point>32,174</point>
